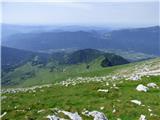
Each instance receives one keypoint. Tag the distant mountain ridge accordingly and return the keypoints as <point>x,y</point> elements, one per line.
<point>11,29</point>
<point>145,40</point>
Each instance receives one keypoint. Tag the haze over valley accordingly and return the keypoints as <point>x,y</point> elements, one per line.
<point>80,60</point>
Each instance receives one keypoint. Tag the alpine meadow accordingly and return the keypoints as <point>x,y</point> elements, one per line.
<point>80,60</point>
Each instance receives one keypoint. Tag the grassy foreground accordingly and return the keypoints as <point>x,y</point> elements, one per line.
<point>42,102</point>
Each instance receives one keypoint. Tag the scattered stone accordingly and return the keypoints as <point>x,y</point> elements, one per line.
<point>134,74</point>
<point>135,77</point>
<point>3,114</point>
<point>53,117</point>
<point>152,85</point>
<point>103,90</point>
<point>114,77</point>
<point>141,87</point>
<point>20,110</point>
<point>118,118</point>
<point>149,110</point>
<point>101,108</point>
<point>142,117</point>
<point>116,88</point>
<point>114,110</point>
<point>136,102</point>
<point>97,115</point>
<point>72,116</point>
<point>107,84</point>
<point>41,111</point>
<point>29,89</point>
<point>151,114</point>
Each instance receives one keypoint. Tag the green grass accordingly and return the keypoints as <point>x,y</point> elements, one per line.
<point>76,98</point>
<point>26,105</point>
<point>44,76</point>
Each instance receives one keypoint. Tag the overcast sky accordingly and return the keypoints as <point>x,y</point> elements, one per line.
<point>142,13</point>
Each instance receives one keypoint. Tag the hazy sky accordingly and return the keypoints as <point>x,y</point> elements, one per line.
<point>78,13</point>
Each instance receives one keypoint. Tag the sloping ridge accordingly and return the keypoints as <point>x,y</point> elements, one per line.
<point>12,57</point>
<point>88,55</point>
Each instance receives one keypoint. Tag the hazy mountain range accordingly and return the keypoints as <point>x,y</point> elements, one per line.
<point>46,39</point>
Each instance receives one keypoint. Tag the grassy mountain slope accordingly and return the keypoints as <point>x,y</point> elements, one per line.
<point>56,67</point>
<point>12,58</point>
<point>76,94</point>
